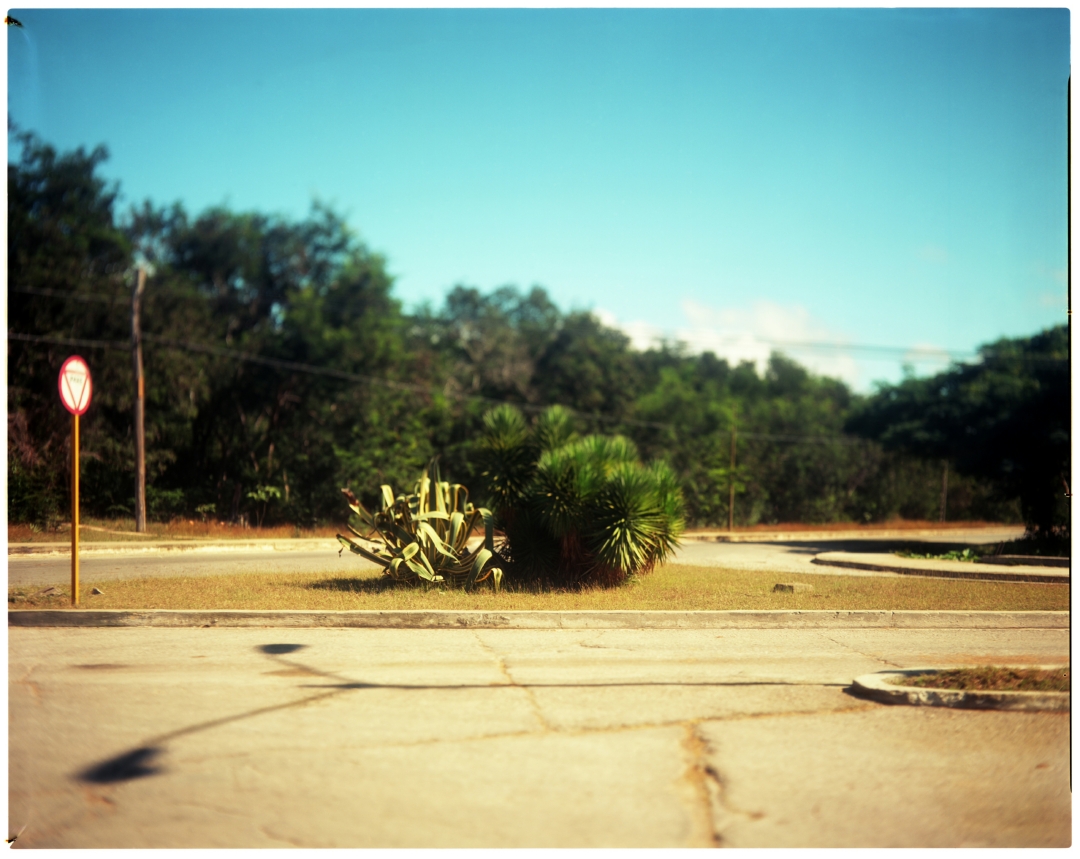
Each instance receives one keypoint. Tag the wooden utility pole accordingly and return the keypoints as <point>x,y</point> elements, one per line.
<point>140,435</point>
<point>731,478</point>
<point>944,489</point>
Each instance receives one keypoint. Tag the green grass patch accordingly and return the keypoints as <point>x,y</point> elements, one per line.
<point>990,678</point>
<point>668,588</point>
<point>957,555</point>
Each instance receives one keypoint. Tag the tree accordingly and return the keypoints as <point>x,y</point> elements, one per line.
<point>68,273</point>
<point>576,511</point>
<point>1004,418</point>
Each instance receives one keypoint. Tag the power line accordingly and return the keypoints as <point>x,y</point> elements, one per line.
<point>803,439</point>
<point>312,370</point>
<point>74,296</point>
<point>913,353</point>
<point>68,341</point>
<point>894,352</point>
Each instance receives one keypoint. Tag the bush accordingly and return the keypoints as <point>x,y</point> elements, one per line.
<point>576,511</point>
<point>422,537</point>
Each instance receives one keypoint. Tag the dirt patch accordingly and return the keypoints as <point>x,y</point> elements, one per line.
<point>989,678</point>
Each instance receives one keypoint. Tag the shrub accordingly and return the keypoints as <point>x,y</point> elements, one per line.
<point>576,511</point>
<point>422,537</point>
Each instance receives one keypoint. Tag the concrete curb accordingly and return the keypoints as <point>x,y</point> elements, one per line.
<point>941,569</point>
<point>441,619</point>
<point>883,687</point>
<point>961,535</point>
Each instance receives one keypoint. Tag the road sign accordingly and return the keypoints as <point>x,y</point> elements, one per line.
<point>75,389</point>
<point>75,385</point>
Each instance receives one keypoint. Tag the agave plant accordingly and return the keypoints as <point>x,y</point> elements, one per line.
<point>423,536</point>
<point>577,510</point>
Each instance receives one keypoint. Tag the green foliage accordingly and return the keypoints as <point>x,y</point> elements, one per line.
<point>576,511</point>
<point>423,537</point>
<point>955,555</point>
<point>263,496</point>
<point>1004,419</point>
<point>64,245</point>
<point>402,389</point>
<point>163,504</point>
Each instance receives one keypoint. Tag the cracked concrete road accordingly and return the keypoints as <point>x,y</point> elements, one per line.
<point>519,738</point>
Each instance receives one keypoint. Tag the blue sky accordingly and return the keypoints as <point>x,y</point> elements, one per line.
<point>738,178</point>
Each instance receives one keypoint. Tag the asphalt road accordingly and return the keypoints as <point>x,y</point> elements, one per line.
<point>790,556</point>
<point>56,569</point>
<point>520,738</point>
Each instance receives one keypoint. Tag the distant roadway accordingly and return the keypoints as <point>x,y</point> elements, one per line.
<point>322,557</point>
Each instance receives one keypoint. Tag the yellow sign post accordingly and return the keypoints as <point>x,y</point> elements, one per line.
<point>75,389</point>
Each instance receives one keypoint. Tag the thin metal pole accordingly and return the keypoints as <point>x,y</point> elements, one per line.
<point>140,434</point>
<point>74,509</point>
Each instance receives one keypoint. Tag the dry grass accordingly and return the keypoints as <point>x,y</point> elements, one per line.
<point>674,587</point>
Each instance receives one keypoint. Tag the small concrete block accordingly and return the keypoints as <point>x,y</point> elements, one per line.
<point>792,588</point>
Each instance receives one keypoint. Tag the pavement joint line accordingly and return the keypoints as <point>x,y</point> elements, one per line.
<point>451,619</point>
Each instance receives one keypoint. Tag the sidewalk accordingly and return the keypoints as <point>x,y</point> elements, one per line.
<point>890,563</point>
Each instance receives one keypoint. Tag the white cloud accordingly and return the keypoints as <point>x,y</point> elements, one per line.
<point>750,334</point>
<point>1060,275</point>
<point>933,253</point>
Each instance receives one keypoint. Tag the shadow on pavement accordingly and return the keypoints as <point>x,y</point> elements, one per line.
<point>126,767</point>
<point>355,586</point>
<point>136,763</point>
<point>922,547</point>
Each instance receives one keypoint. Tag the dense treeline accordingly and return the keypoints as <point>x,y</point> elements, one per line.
<point>279,367</point>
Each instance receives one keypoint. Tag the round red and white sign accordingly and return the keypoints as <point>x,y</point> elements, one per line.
<point>75,385</point>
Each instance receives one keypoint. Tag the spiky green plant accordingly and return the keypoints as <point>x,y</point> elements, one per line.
<point>509,456</point>
<point>422,537</point>
<point>581,510</point>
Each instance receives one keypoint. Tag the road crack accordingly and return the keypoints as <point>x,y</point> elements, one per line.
<point>847,646</point>
<point>501,663</point>
<point>292,842</point>
<point>34,689</point>
<point>715,812</point>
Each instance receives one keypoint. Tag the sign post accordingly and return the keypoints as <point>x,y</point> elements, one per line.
<point>75,389</point>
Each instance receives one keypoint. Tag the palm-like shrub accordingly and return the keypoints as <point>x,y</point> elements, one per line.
<point>576,511</point>
<point>422,537</point>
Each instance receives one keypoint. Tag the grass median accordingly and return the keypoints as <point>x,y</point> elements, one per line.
<point>669,588</point>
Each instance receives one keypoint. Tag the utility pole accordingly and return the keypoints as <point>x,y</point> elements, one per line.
<point>944,488</point>
<point>140,435</point>
<point>731,477</point>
